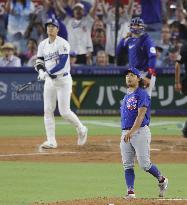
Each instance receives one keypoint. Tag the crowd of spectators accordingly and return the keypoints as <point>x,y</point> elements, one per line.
<point>89,26</point>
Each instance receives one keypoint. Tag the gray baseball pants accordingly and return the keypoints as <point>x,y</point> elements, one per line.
<point>139,146</point>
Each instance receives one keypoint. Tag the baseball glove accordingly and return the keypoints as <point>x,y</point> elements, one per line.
<point>184,130</point>
<point>184,85</point>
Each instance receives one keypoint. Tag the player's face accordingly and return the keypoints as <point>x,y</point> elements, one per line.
<point>137,27</point>
<point>132,80</point>
<point>52,30</point>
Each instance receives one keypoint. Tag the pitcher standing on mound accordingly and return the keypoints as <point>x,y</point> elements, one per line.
<point>136,135</point>
<point>53,66</point>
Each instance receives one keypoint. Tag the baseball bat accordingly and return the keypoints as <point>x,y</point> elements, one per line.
<point>26,85</point>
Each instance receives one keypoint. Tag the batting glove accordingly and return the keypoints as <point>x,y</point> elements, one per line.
<point>42,75</point>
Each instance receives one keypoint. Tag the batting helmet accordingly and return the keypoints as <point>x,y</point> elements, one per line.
<point>53,22</point>
<point>137,21</point>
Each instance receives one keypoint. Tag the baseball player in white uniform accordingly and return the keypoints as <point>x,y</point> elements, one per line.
<point>53,66</point>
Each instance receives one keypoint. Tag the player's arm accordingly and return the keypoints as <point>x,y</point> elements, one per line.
<point>40,64</point>
<point>137,123</point>
<point>64,50</point>
<point>40,68</point>
<point>122,45</point>
<point>151,54</point>
<point>61,64</point>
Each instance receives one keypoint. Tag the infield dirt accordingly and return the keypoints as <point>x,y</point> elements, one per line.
<point>98,149</point>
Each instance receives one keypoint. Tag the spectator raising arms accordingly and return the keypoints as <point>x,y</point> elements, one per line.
<point>18,16</point>
<point>109,19</point>
<point>79,32</point>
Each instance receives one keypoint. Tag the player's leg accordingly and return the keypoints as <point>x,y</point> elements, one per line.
<point>141,143</point>
<point>128,156</point>
<point>49,108</point>
<point>64,97</point>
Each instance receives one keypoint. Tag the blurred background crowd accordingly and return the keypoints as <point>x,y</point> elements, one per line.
<point>90,28</point>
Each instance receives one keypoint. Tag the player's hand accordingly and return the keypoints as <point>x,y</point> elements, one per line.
<point>129,34</point>
<point>42,75</point>
<point>127,137</point>
<point>178,87</point>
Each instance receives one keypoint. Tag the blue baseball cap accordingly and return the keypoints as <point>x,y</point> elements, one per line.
<point>134,71</point>
<point>52,22</point>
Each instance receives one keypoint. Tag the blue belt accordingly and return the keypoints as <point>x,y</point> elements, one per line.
<point>55,76</point>
<point>128,128</point>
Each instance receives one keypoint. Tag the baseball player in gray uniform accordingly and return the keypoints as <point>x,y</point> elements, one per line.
<point>53,66</point>
<point>136,135</point>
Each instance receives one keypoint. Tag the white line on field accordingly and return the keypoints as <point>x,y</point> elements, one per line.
<point>37,153</point>
<point>117,124</point>
<point>172,199</point>
<point>44,152</point>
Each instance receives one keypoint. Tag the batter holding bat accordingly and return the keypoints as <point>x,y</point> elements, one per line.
<point>53,66</point>
<point>136,135</point>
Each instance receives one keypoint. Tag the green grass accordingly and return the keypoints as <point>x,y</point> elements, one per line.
<point>24,183</point>
<point>34,127</point>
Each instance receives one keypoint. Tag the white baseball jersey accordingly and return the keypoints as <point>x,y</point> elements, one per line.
<point>79,34</point>
<point>51,52</point>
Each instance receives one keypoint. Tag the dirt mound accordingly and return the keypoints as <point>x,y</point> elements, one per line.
<point>119,201</point>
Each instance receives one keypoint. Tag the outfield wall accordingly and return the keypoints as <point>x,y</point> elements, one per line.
<point>96,91</point>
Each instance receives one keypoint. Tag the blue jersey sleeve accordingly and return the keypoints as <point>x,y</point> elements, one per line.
<point>144,99</point>
<point>62,61</point>
<point>151,53</point>
<point>122,44</point>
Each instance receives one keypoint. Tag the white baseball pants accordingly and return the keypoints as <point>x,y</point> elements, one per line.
<point>58,90</point>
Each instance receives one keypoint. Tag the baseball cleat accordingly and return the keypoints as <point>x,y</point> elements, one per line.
<point>47,145</point>
<point>130,195</point>
<point>82,135</point>
<point>163,187</point>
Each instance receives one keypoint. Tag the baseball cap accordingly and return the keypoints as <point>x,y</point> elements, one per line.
<point>134,71</point>
<point>78,5</point>
<point>8,45</point>
<point>72,54</point>
<point>52,22</point>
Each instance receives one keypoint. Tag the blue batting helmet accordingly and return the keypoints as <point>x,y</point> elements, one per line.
<point>139,22</point>
<point>53,22</point>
